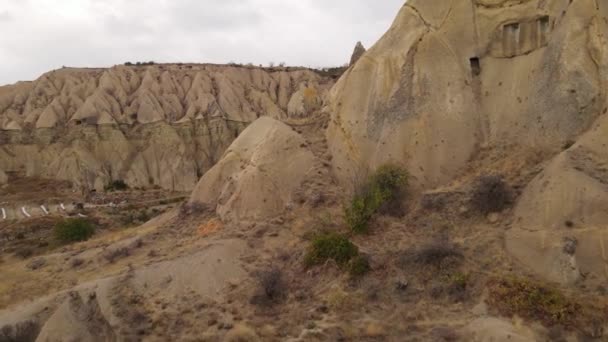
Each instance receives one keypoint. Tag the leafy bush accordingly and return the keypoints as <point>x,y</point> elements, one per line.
<point>380,192</point>
<point>74,230</point>
<point>491,194</point>
<point>117,185</point>
<point>331,246</point>
<point>533,301</point>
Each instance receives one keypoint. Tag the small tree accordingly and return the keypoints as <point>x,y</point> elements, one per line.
<point>74,230</point>
<point>380,192</point>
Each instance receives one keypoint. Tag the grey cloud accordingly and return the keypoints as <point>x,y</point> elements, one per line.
<point>107,32</point>
<point>5,16</point>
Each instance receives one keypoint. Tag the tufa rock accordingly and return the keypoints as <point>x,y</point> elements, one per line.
<point>258,174</point>
<point>357,53</point>
<point>447,80</point>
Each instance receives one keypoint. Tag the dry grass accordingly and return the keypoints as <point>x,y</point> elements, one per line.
<point>540,302</point>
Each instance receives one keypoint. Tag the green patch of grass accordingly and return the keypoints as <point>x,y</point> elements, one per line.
<point>533,301</point>
<point>330,246</point>
<point>380,192</point>
<point>74,230</point>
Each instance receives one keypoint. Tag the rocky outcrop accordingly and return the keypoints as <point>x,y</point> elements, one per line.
<point>161,125</point>
<point>449,80</point>
<point>258,175</point>
<point>357,53</point>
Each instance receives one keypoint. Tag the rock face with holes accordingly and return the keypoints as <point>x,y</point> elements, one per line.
<point>453,78</point>
<point>258,175</point>
<point>160,125</point>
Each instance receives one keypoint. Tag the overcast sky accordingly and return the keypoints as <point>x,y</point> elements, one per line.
<point>40,35</point>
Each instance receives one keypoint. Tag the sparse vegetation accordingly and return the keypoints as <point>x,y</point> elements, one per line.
<point>272,287</point>
<point>338,248</point>
<point>491,194</point>
<point>533,301</point>
<point>358,266</point>
<point>117,185</point>
<point>437,254</point>
<point>74,230</point>
<point>334,73</point>
<point>457,285</point>
<point>194,208</point>
<point>111,255</point>
<point>382,192</point>
<point>24,252</point>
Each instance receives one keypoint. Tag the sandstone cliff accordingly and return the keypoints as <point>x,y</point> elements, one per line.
<point>161,125</point>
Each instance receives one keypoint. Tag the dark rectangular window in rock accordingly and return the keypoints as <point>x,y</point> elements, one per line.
<point>475,66</point>
<point>511,39</point>
<point>543,29</point>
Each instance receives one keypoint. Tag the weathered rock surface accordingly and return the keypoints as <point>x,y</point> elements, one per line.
<point>161,125</point>
<point>357,53</point>
<point>449,79</point>
<point>257,176</point>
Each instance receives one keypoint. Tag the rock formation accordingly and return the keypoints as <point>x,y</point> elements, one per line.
<point>161,125</point>
<point>449,80</point>
<point>258,174</point>
<point>357,53</point>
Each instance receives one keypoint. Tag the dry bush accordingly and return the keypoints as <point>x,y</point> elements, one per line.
<point>491,194</point>
<point>438,254</point>
<point>533,301</point>
<point>193,208</point>
<point>111,255</point>
<point>272,287</point>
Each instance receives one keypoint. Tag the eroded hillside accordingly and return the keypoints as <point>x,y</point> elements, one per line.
<point>159,125</point>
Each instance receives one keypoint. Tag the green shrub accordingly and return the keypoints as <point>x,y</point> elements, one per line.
<point>117,185</point>
<point>331,246</point>
<point>380,192</point>
<point>74,230</point>
<point>358,267</point>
